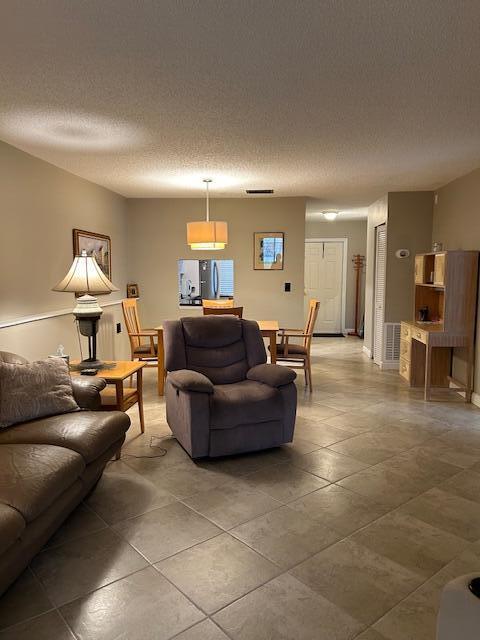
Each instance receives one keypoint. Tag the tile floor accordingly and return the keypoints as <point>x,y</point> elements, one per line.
<point>350,532</point>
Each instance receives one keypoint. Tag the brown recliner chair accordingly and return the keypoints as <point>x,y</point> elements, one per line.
<point>47,467</point>
<point>222,397</point>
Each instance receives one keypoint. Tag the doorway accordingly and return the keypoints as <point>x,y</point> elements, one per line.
<point>325,280</point>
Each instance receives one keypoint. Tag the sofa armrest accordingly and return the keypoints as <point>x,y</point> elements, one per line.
<point>187,380</point>
<point>87,392</point>
<point>275,375</point>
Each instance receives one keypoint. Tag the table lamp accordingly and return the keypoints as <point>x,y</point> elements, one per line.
<point>87,279</point>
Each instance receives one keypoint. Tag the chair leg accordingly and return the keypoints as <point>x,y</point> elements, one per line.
<point>309,367</point>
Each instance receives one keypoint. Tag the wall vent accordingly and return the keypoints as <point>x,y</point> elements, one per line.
<point>258,192</point>
<point>391,345</point>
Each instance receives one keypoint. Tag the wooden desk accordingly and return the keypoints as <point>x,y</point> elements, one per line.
<point>269,329</point>
<point>426,358</point>
<point>117,397</point>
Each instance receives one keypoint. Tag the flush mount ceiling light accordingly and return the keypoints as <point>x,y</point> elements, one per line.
<point>330,215</point>
<point>207,235</point>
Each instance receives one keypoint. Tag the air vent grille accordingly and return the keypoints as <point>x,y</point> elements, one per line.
<point>392,342</point>
<point>258,191</point>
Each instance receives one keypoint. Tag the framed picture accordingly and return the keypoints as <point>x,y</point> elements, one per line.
<point>97,245</point>
<point>132,291</point>
<point>268,248</point>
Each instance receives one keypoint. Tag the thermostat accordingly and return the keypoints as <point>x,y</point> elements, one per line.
<point>402,253</point>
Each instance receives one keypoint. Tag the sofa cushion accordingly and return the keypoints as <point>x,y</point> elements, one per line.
<point>244,402</point>
<point>275,375</point>
<point>88,433</point>
<point>211,332</point>
<point>33,476</point>
<point>12,525</point>
<point>34,390</point>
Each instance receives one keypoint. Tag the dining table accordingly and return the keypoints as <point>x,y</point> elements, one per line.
<point>269,329</point>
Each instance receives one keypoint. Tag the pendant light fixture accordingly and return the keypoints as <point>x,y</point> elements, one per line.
<point>206,234</point>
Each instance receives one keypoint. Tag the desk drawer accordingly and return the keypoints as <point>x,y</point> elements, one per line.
<point>404,369</point>
<point>405,331</point>
<point>420,335</point>
<point>405,349</point>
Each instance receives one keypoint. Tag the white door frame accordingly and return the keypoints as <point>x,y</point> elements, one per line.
<point>344,274</point>
<point>374,324</point>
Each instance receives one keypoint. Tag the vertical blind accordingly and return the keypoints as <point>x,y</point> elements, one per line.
<point>225,271</point>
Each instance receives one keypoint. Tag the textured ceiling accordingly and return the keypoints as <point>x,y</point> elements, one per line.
<point>335,100</point>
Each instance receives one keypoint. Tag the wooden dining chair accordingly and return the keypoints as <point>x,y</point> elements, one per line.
<point>298,355</point>
<point>143,345</point>
<point>219,303</point>
<point>227,311</point>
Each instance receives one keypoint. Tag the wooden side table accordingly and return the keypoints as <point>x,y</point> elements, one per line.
<point>116,397</point>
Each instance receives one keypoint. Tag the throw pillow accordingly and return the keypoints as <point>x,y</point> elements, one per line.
<point>34,390</point>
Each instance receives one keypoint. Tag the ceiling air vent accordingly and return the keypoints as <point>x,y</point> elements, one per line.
<point>258,192</point>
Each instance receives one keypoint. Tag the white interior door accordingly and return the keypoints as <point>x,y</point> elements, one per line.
<point>324,282</point>
<point>380,274</point>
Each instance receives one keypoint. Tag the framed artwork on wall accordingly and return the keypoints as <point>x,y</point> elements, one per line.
<point>132,291</point>
<point>268,249</point>
<point>97,245</point>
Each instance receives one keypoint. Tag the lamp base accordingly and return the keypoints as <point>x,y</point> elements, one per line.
<point>92,364</point>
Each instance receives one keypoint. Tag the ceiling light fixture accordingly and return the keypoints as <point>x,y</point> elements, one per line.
<point>207,235</point>
<point>330,215</point>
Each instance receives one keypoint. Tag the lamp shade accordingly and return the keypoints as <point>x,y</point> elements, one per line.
<point>207,235</point>
<point>85,276</point>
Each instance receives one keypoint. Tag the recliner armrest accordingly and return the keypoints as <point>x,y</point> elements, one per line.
<point>275,375</point>
<point>87,392</point>
<point>187,380</point>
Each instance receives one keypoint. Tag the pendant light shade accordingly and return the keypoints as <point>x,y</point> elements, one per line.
<point>207,235</point>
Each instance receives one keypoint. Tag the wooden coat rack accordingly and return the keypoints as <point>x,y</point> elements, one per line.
<point>358,264</point>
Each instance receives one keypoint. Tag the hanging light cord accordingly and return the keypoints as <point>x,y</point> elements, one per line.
<point>207,184</point>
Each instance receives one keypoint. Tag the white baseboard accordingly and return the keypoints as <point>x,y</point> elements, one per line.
<point>390,365</point>
<point>367,351</point>
<point>476,399</point>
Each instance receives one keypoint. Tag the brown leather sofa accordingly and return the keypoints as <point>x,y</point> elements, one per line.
<point>47,466</point>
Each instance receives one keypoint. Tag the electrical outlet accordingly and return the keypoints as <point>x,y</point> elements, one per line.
<point>119,327</point>
<point>288,286</point>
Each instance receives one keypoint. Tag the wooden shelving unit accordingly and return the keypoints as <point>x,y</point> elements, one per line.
<point>445,306</point>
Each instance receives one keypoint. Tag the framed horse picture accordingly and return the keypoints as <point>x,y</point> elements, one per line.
<point>96,245</point>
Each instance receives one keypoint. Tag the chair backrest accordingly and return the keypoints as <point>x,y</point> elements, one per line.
<point>219,303</point>
<point>221,347</point>
<point>228,311</point>
<point>312,314</point>
<point>132,321</point>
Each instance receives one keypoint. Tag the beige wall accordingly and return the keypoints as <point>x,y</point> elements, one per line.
<point>356,233</point>
<point>157,239</point>
<point>409,227</point>
<point>40,205</point>
<point>456,223</point>
<point>408,216</point>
